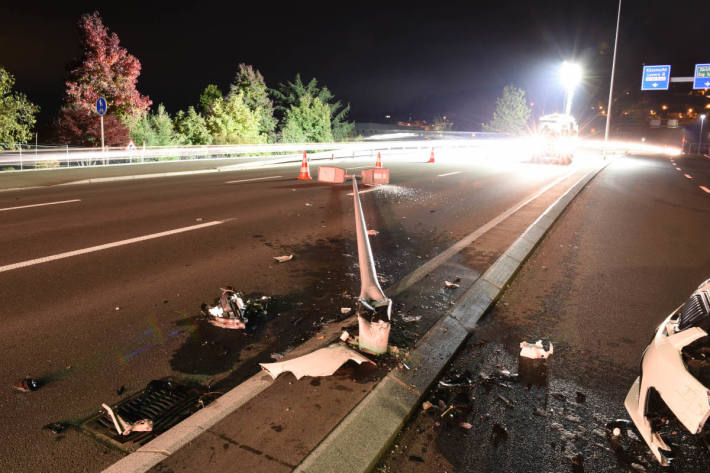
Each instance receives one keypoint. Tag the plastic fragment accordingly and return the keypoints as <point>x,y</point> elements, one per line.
<point>411,318</point>
<point>283,259</point>
<point>344,336</point>
<point>373,232</point>
<point>535,350</point>
<point>124,428</point>
<point>322,362</point>
<point>426,405</point>
<point>345,310</point>
<point>452,285</point>
<point>465,425</point>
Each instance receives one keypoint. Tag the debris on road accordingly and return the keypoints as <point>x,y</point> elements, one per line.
<point>452,285</point>
<point>283,259</point>
<point>373,232</point>
<point>277,356</point>
<point>426,405</point>
<point>56,427</point>
<point>344,336</point>
<point>322,362</point>
<point>124,428</point>
<point>466,425</point>
<point>498,433</point>
<point>535,350</point>
<point>411,318</point>
<point>230,311</point>
<point>345,310</point>
<point>27,385</point>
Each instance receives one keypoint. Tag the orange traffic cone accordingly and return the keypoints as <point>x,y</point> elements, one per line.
<point>431,158</point>
<point>305,174</point>
<point>378,164</point>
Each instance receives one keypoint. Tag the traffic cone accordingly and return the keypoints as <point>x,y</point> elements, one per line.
<point>305,174</point>
<point>378,164</point>
<point>431,158</point>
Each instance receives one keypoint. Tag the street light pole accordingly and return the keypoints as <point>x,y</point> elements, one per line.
<point>700,145</point>
<point>611,83</point>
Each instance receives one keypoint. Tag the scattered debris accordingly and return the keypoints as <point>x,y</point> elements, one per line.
<point>323,362</point>
<point>457,381</point>
<point>426,405</point>
<point>452,285</point>
<point>308,204</point>
<point>121,390</point>
<point>411,318</point>
<point>198,219</point>
<point>277,356</point>
<point>535,350</point>
<point>230,311</point>
<point>344,336</point>
<point>345,310</point>
<point>507,401</point>
<point>447,411</point>
<point>283,259</point>
<point>373,232</point>
<point>465,425</point>
<point>580,397</point>
<point>124,428</point>
<point>27,385</point>
<point>56,427</point>
<point>539,412</point>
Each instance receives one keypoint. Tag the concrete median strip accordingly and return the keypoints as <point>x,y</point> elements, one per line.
<point>377,419</point>
<point>391,403</point>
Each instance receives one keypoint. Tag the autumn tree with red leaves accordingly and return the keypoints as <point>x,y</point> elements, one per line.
<point>105,69</point>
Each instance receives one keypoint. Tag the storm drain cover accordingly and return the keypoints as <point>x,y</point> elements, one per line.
<point>165,402</point>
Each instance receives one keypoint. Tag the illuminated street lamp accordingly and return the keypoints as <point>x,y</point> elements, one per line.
<point>570,76</point>
<point>702,121</point>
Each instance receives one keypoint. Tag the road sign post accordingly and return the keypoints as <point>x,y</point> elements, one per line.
<point>655,77</point>
<point>101,110</point>
<point>701,79</point>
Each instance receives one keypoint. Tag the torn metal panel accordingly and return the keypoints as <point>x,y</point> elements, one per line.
<point>323,362</point>
<point>681,343</point>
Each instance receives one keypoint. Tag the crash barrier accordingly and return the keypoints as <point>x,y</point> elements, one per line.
<point>66,156</point>
<point>374,177</point>
<point>331,174</point>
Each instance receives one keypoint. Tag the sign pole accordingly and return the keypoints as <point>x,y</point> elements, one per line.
<point>611,84</point>
<point>102,136</point>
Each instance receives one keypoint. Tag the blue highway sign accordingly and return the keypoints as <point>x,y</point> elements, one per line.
<point>655,77</point>
<point>701,79</point>
<point>101,106</point>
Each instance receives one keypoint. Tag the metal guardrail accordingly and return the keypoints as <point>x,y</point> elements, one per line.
<point>66,157</point>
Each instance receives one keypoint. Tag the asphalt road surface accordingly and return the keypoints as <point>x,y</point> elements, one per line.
<point>101,289</point>
<point>629,250</point>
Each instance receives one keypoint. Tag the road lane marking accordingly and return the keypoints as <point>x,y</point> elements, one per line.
<point>688,176</point>
<point>252,180</point>
<point>449,174</point>
<point>41,205</point>
<point>106,246</point>
<point>445,255</point>
<point>705,189</point>
<point>365,191</point>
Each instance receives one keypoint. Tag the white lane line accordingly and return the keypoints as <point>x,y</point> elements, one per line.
<point>68,254</point>
<point>705,189</point>
<point>252,180</point>
<point>41,205</point>
<point>365,191</point>
<point>688,176</point>
<point>449,174</point>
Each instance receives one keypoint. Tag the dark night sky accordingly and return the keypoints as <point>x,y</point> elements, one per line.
<point>398,58</point>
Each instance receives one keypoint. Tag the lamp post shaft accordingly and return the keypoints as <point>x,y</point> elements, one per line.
<point>611,83</point>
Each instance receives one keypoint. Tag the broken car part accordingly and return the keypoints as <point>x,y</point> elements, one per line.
<point>283,259</point>
<point>26,385</point>
<point>322,362</point>
<point>535,350</point>
<point>123,427</point>
<point>231,312</point>
<point>675,371</point>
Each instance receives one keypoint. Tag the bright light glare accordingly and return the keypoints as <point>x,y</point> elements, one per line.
<point>570,74</point>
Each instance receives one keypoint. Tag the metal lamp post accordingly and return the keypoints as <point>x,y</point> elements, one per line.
<point>700,145</point>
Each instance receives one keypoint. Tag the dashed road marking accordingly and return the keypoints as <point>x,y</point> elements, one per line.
<point>705,189</point>
<point>68,254</point>
<point>252,180</point>
<point>449,174</point>
<point>40,205</point>
<point>688,176</point>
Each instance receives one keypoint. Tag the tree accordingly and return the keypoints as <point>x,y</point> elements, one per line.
<point>208,97</point>
<point>309,121</point>
<point>250,83</point>
<point>17,113</point>
<point>289,94</point>
<point>105,69</point>
<point>82,128</point>
<point>231,121</point>
<point>156,129</point>
<point>193,127</point>
<point>512,112</point>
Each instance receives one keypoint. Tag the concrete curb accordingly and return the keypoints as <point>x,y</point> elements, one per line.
<point>358,442</point>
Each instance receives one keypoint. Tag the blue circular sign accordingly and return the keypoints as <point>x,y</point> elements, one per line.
<point>101,106</point>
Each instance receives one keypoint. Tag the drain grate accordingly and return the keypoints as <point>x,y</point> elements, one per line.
<point>165,402</point>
